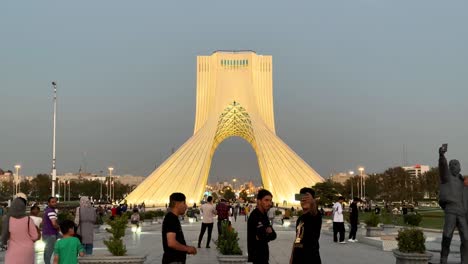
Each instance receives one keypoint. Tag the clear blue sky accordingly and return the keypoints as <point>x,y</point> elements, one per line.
<point>354,81</point>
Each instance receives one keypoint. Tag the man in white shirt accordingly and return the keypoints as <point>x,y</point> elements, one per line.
<point>208,211</point>
<point>338,221</point>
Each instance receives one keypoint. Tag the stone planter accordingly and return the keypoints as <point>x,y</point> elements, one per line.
<point>388,229</point>
<point>411,258</point>
<point>111,259</point>
<point>373,231</point>
<point>232,259</point>
<point>102,228</point>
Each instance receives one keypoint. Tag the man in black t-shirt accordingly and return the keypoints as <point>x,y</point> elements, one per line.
<point>175,248</point>
<point>306,245</point>
<point>259,229</point>
<point>353,219</point>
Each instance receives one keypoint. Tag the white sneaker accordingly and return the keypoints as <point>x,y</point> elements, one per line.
<point>355,240</point>
<point>350,240</point>
<point>342,242</point>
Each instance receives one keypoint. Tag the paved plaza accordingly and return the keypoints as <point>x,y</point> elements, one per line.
<point>148,243</point>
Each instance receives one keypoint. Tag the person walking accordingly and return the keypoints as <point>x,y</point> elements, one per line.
<point>174,245</point>
<point>338,221</point>
<point>259,229</point>
<point>208,212</point>
<point>135,218</point>
<point>34,214</point>
<point>246,211</point>
<point>235,211</point>
<point>19,232</point>
<point>353,219</point>
<point>67,249</point>
<point>85,218</point>
<point>222,210</point>
<point>308,225</point>
<point>50,228</point>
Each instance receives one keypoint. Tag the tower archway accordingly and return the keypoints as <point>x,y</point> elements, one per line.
<point>234,98</point>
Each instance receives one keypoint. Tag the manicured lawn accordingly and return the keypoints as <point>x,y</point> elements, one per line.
<point>431,218</point>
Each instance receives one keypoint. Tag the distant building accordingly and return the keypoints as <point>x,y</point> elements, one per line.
<point>124,179</point>
<point>417,170</point>
<point>341,177</point>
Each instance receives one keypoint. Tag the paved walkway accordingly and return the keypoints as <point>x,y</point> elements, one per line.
<point>148,242</point>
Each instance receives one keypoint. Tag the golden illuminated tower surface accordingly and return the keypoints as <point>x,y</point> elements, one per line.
<point>234,98</point>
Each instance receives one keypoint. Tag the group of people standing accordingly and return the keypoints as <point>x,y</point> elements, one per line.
<point>338,220</point>
<point>64,241</point>
<point>259,229</point>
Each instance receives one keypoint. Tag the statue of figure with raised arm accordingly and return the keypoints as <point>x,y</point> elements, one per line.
<point>451,199</point>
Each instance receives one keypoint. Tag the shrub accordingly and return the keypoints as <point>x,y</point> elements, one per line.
<point>228,241</point>
<point>411,240</point>
<point>387,218</point>
<point>278,212</point>
<point>150,214</point>
<point>413,219</point>
<point>373,220</point>
<point>159,213</point>
<point>127,214</point>
<point>64,215</point>
<point>117,229</point>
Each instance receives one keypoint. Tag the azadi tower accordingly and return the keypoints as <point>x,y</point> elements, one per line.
<point>234,98</point>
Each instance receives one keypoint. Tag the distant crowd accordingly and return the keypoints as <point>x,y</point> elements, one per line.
<point>66,239</point>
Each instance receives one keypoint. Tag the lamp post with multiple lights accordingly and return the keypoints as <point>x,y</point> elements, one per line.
<point>54,170</point>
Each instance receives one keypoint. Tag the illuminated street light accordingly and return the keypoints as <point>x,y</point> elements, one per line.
<point>17,178</point>
<point>363,184</point>
<point>109,190</point>
<point>54,170</point>
<point>351,173</point>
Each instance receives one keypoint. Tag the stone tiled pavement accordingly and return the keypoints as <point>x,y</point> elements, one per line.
<point>148,242</point>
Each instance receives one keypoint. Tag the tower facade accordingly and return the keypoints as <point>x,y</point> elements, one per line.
<point>234,98</point>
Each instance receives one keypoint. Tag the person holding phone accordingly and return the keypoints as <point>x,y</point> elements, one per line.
<point>306,245</point>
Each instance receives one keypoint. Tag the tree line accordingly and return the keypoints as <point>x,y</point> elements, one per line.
<point>39,189</point>
<point>393,185</point>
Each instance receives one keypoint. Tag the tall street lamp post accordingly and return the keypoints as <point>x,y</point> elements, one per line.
<point>113,190</point>
<point>363,184</point>
<point>351,173</point>
<point>58,196</point>
<point>17,178</point>
<point>111,169</point>
<point>234,184</point>
<point>54,170</point>
<point>69,186</point>
<point>100,190</point>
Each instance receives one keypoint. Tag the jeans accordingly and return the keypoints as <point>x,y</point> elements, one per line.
<point>202,232</point>
<point>338,227</point>
<point>220,223</point>
<point>352,233</point>
<point>49,241</point>
<point>88,249</point>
